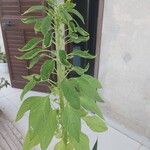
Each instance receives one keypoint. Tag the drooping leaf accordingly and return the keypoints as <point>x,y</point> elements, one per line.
<point>31,54</point>
<point>46,25</point>
<point>29,86</point>
<point>31,44</point>
<point>95,123</point>
<point>82,144</point>
<point>70,94</point>
<point>79,70</point>
<point>32,9</point>
<point>82,31</point>
<point>83,54</point>
<point>72,26</point>
<point>38,25</point>
<point>90,105</point>
<point>63,57</point>
<point>78,14</point>
<point>46,69</point>
<point>72,122</point>
<point>47,41</point>
<point>29,20</point>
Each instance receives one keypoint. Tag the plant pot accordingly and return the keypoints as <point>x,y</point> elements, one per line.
<point>3,68</point>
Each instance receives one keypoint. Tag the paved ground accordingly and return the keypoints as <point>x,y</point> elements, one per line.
<point>9,104</point>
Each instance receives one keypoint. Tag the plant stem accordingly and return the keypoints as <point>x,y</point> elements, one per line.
<point>60,45</point>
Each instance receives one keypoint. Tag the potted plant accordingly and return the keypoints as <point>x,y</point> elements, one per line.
<point>3,63</point>
<point>70,100</point>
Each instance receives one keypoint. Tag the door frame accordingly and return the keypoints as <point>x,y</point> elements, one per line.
<point>99,37</point>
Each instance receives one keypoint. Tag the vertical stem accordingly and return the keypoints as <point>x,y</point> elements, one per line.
<point>60,45</point>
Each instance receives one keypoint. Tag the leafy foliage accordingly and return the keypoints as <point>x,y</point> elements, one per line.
<point>76,100</point>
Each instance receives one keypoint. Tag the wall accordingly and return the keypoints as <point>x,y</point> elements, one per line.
<point>125,63</point>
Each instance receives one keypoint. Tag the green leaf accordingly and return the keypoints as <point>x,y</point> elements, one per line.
<point>31,44</point>
<point>70,94</point>
<point>72,122</point>
<point>46,25</point>
<point>34,61</point>
<point>72,26</point>
<point>62,146</point>
<point>95,123</point>
<point>82,144</point>
<point>30,140</point>
<point>82,31</point>
<point>79,70</point>
<point>47,41</point>
<point>31,54</point>
<point>29,86</point>
<point>83,54</point>
<point>63,58</point>
<point>46,69</point>
<point>36,77</point>
<point>34,9</point>
<point>82,112</point>
<point>29,20</point>
<point>38,25</point>
<point>77,13</point>
<point>90,105</point>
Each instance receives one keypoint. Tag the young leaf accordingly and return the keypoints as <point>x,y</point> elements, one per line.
<point>31,44</point>
<point>29,20</point>
<point>29,86</point>
<point>34,9</point>
<point>77,13</point>
<point>46,69</point>
<point>72,122</point>
<point>79,70</point>
<point>70,94</point>
<point>47,41</point>
<point>95,123</point>
<point>31,54</point>
<point>82,144</point>
<point>36,77</point>
<point>46,25</point>
<point>83,54</point>
<point>63,57</point>
<point>82,31</point>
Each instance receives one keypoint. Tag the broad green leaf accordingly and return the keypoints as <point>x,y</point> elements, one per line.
<point>28,104</point>
<point>47,41</point>
<point>63,57</point>
<point>72,122</point>
<point>92,81</point>
<point>77,13</point>
<point>70,94</point>
<point>83,144</point>
<point>79,70</point>
<point>29,20</point>
<point>62,146</point>
<point>46,25</point>
<point>29,86</point>
<point>83,54</point>
<point>30,140</point>
<point>38,25</point>
<point>82,31</point>
<point>46,69</point>
<point>95,123</point>
<point>34,9</point>
<point>91,106</point>
<point>31,44</point>
<point>31,54</point>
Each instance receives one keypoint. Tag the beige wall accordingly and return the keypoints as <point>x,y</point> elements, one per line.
<point>125,63</point>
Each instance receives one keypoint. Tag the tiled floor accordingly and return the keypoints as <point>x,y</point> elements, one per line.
<point>110,140</point>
